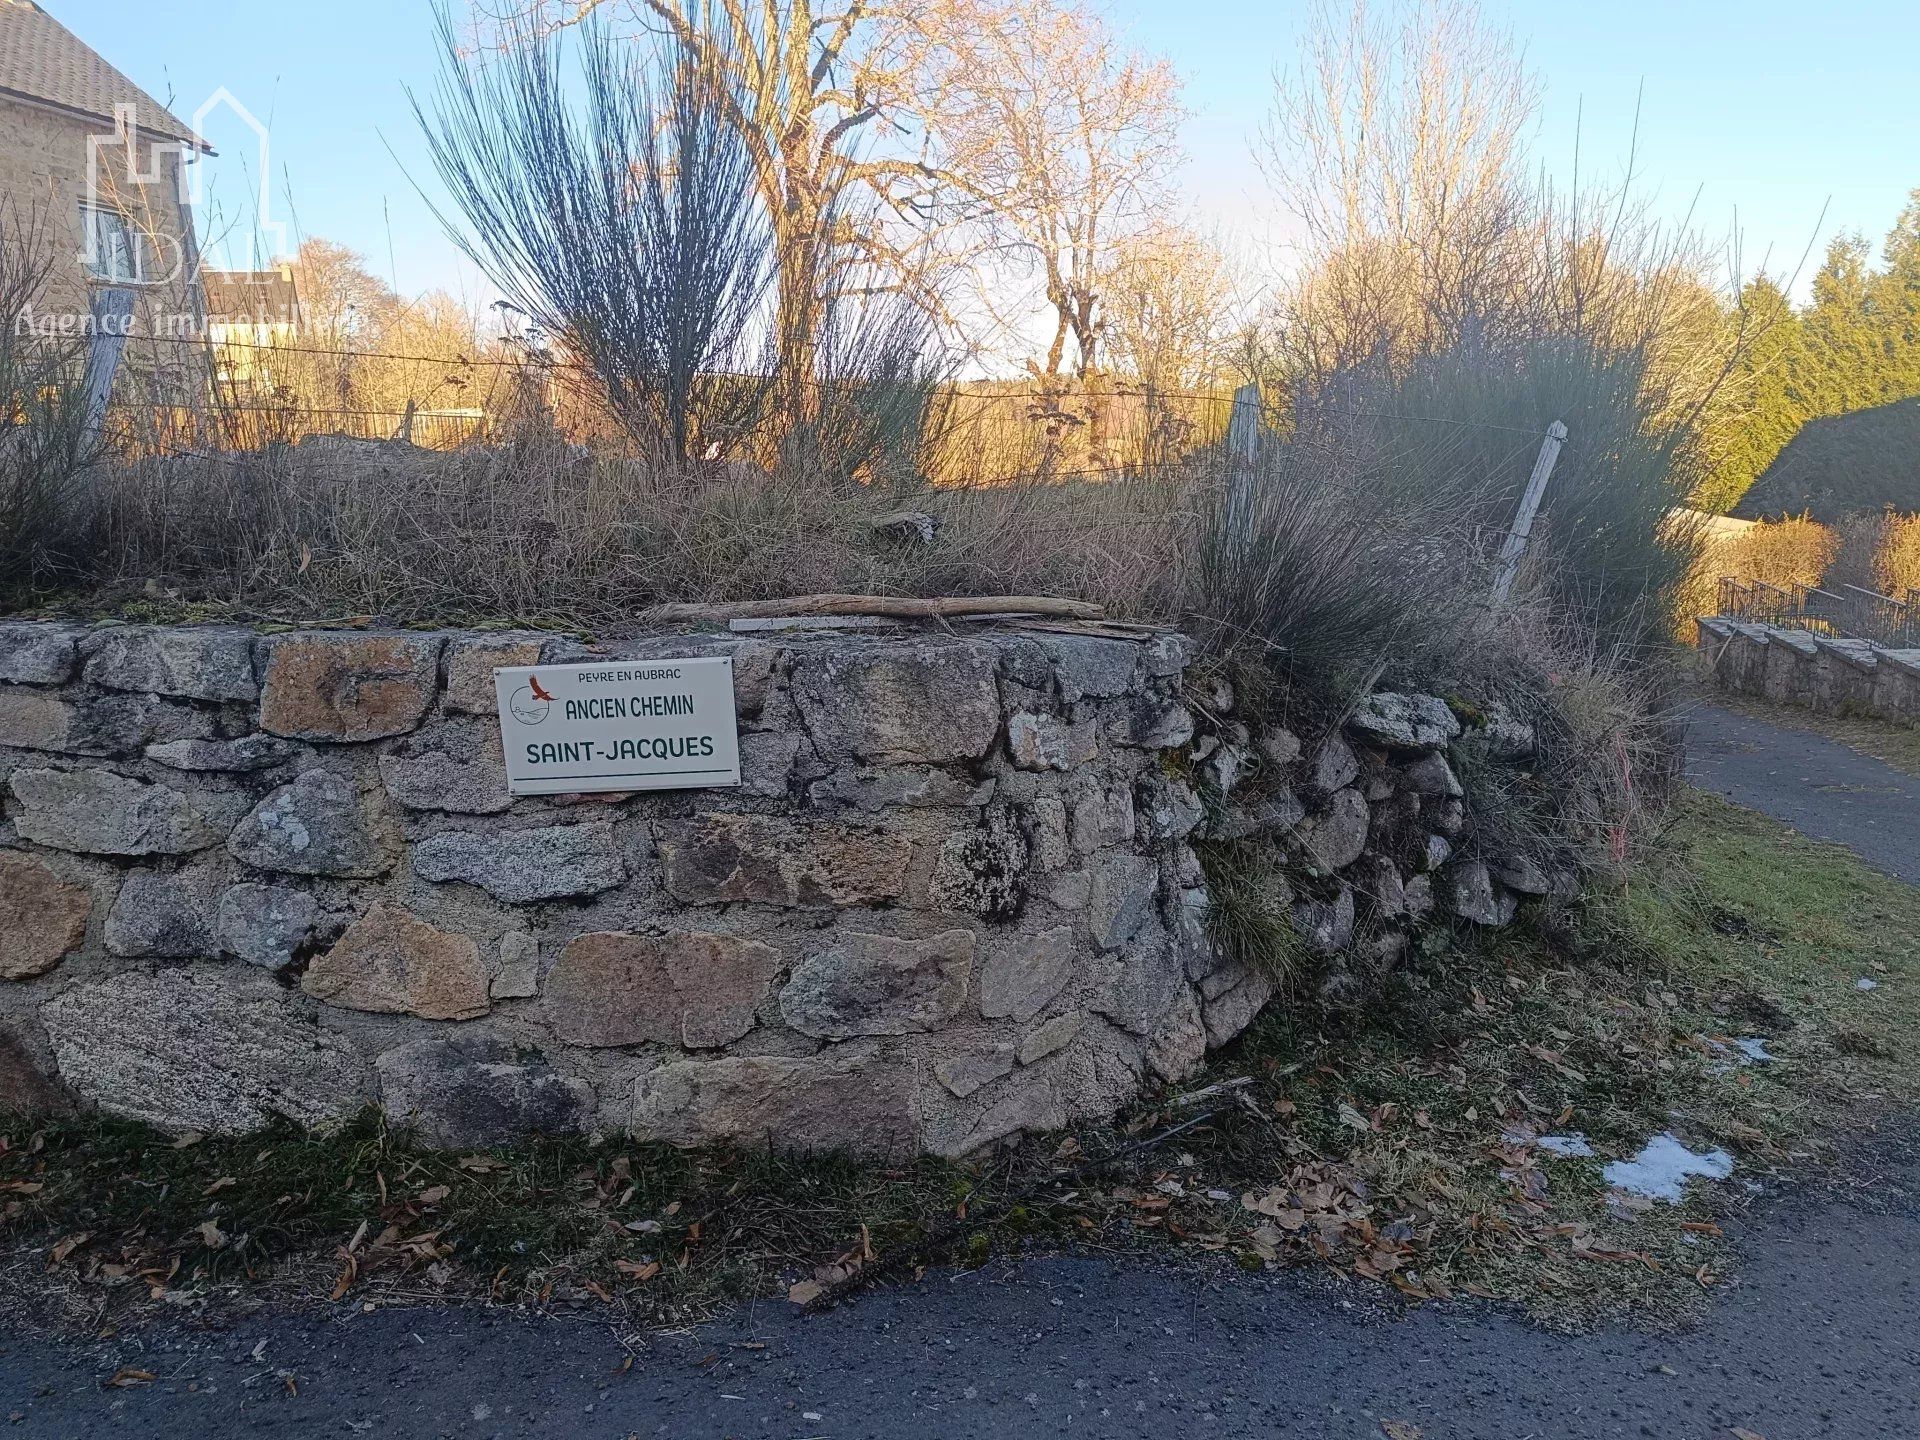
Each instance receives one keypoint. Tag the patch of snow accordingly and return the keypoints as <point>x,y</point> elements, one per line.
<point>1661,1170</point>
<point>1755,1049</point>
<point>1866,982</point>
<point>1567,1147</point>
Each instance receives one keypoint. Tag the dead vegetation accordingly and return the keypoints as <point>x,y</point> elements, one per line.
<point>546,533</point>
<point>1873,550</point>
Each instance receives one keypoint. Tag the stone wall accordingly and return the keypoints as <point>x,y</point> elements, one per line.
<point>1376,831</point>
<point>955,898</point>
<point>248,874</point>
<point>1814,672</point>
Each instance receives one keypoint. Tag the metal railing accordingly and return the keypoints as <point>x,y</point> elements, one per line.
<point>1846,612</point>
<point>1792,607</point>
<point>1881,618</point>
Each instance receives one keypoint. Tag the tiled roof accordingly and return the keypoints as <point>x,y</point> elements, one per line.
<point>42,60</point>
<point>251,297</point>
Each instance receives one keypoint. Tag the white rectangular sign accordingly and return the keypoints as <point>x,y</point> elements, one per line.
<point>621,725</point>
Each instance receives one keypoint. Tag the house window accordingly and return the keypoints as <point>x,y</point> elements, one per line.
<point>113,249</point>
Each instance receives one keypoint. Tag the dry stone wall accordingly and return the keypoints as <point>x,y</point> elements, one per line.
<point>956,897</point>
<point>1373,830</point>
<point>244,875</point>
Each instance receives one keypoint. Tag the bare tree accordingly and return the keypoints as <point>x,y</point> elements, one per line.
<point>1175,306</point>
<point>428,351</point>
<point>1396,148</point>
<point>343,304</point>
<point>343,307</point>
<point>1173,298</point>
<point>1066,139</point>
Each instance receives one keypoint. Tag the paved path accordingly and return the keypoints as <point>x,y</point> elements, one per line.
<point>1822,788</point>
<point>1816,1340</point>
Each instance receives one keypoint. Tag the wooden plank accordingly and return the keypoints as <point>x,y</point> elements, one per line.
<point>1509,564</point>
<point>895,606</point>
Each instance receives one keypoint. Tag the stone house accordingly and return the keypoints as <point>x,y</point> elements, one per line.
<point>94,204</point>
<point>250,313</point>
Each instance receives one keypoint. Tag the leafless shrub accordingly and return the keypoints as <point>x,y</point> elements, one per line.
<point>1896,568</point>
<point>1777,552</point>
<point>46,453</point>
<point>1861,540</point>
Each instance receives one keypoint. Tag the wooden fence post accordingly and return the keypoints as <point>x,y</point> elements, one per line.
<point>1243,453</point>
<point>1516,546</point>
<point>1243,431</point>
<point>112,312</point>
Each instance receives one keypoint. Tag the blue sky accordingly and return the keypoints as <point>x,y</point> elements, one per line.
<point>1767,111</point>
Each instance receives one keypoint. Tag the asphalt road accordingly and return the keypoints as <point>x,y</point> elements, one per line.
<point>1816,1339</point>
<point>1819,1334</point>
<point>1819,786</point>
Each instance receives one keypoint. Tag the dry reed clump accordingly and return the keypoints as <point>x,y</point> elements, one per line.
<point>1779,552</point>
<point>1607,742</point>
<point>1613,759</point>
<point>1782,553</point>
<point>542,531</point>
<point>1896,567</point>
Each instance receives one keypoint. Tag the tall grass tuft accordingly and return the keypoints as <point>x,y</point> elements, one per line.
<point>1249,916</point>
<point>614,202</point>
<point>1307,570</point>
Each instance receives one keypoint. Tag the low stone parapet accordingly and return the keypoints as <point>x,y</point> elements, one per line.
<point>1827,674</point>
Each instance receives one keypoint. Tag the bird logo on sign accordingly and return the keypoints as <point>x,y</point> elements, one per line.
<point>531,702</point>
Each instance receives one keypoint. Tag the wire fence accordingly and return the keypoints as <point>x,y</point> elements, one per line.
<point>282,391</point>
<point>255,393</point>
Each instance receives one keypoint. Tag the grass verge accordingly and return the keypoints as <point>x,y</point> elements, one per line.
<point>1390,1146</point>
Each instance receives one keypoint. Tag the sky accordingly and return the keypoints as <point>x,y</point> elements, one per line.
<point>1790,120</point>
